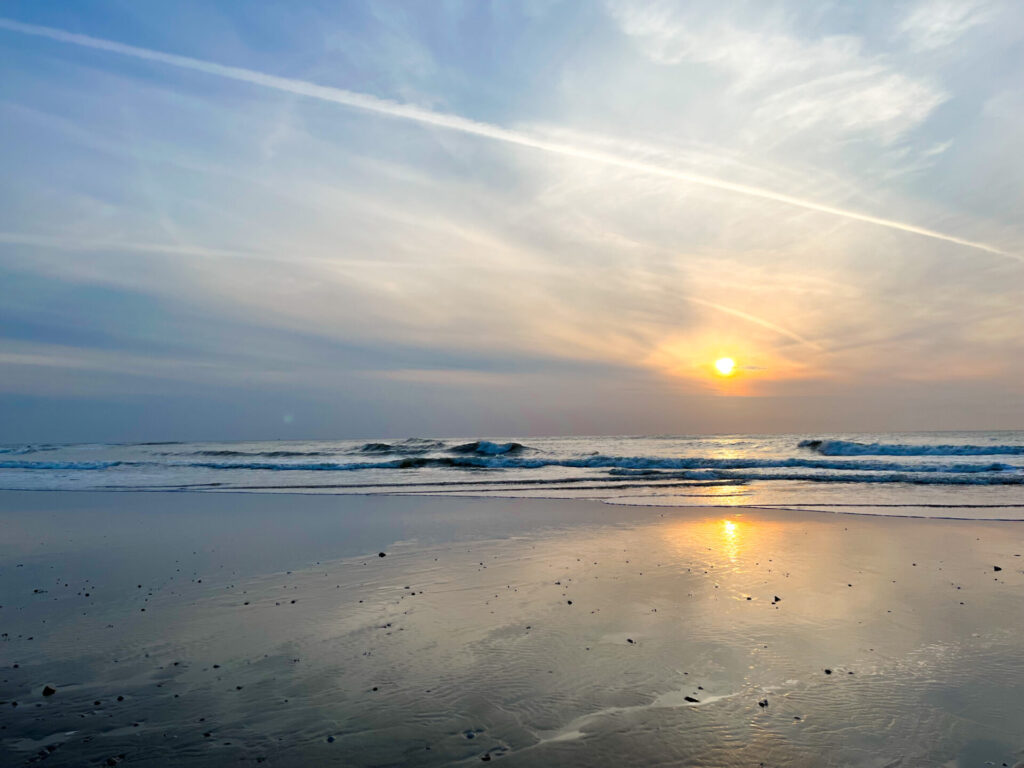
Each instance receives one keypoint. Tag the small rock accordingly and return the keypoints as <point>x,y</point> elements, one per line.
<point>382,554</point>
<point>49,690</point>
<point>691,699</point>
<point>330,739</point>
<point>762,703</point>
<point>828,671</point>
<point>996,568</point>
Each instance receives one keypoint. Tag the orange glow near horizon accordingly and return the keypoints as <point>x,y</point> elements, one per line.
<point>728,364</point>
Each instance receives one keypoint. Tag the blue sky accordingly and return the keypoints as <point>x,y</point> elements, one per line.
<point>224,220</point>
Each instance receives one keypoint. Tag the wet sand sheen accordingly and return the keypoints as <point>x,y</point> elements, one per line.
<point>267,629</point>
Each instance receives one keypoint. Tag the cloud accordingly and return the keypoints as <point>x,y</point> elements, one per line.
<point>935,24</point>
<point>808,108</point>
<point>612,223</point>
<point>828,84</point>
<point>758,321</point>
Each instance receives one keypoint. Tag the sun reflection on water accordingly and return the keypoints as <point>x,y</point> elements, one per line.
<point>725,495</point>
<point>731,540</point>
<point>722,541</point>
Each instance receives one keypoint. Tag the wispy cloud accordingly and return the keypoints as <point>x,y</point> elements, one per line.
<point>485,130</point>
<point>795,85</point>
<point>758,321</point>
<point>935,24</point>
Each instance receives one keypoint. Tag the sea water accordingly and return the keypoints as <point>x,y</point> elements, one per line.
<point>952,474</point>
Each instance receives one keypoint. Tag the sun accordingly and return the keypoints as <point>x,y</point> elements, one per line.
<point>725,366</point>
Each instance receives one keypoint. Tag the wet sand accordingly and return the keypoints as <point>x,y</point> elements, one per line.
<point>226,629</point>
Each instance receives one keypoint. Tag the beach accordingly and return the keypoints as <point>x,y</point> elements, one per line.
<point>287,629</point>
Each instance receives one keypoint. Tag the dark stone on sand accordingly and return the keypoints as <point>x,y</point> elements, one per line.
<point>569,602</point>
<point>776,599</point>
<point>629,640</point>
<point>382,554</point>
<point>762,703</point>
<point>330,739</point>
<point>996,568</point>
<point>485,758</point>
<point>828,671</point>
<point>49,690</point>
<point>691,699</point>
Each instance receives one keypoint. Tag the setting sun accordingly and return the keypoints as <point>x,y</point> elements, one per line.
<point>725,366</point>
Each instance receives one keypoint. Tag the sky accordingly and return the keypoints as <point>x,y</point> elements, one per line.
<point>256,220</point>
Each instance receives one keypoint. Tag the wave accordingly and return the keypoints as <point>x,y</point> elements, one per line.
<point>621,465</point>
<point>851,448</point>
<point>900,477</point>
<point>641,466</point>
<point>412,462</point>
<point>419,446</point>
<point>65,465</point>
<point>412,445</point>
<point>24,450</point>
<point>255,454</point>
<point>487,448</point>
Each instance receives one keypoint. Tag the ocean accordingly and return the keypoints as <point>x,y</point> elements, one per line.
<point>975,475</point>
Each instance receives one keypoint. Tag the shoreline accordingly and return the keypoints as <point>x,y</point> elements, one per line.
<point>624,501</point>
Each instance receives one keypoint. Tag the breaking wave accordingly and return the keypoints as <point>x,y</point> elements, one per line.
<point>851,448</point>
<point>487,448</point>
<point>412,445</point>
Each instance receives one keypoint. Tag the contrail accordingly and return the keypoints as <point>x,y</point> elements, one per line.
<point>463,125</point>
<point>758,321</point>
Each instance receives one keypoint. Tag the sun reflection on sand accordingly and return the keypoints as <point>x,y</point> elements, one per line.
<point>722,541</point>
<point>731,539</point>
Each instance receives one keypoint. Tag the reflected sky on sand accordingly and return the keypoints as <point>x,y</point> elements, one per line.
<point>582,634</point>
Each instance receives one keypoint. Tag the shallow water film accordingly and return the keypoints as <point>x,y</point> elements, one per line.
<point>200,629</point>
